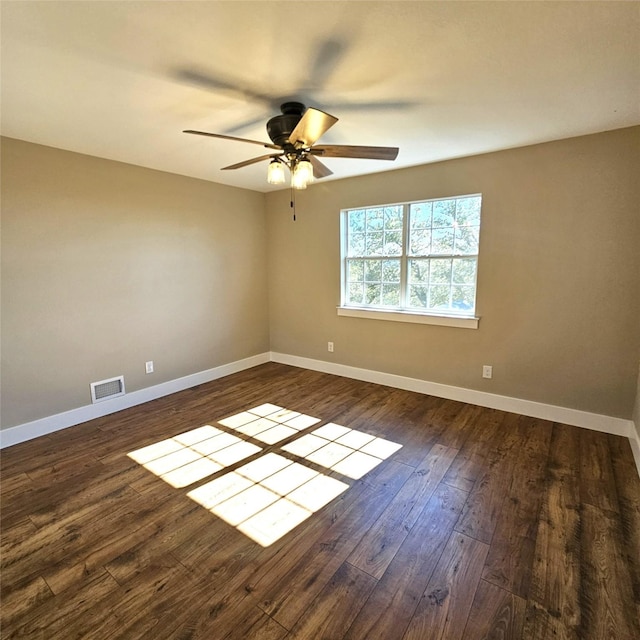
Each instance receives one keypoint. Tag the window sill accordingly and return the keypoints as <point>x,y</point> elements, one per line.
<point>462,322</point>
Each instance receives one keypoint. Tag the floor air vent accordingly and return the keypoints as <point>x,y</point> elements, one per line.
<point>106,389</point>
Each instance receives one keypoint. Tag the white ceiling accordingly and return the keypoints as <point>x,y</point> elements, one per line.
<point>121,80</point>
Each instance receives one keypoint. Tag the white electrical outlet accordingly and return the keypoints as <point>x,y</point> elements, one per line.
<point>148,366</point>
<point>330,347</point>
<point>487,371</point>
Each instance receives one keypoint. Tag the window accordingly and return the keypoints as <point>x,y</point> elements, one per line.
<point>416,257</point>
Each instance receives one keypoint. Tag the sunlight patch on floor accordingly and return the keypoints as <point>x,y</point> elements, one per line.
<point>269,423</point>
<point>272,494</point>
<point>194,455</point>
<point>350,452</point>
<point>268,497</point>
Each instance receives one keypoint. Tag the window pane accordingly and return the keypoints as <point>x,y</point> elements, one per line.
<point>356,221</point>
<point>420,215</point>
<point>375,220</point>
<point>442,241</point>
<point>356,293</point>
<point>372,293</point>
<point>356,244</point>
<point>467,240</point>
<point>443,213</point>
<point>391,271</point>
<point>439,296</point>
<point>441,271</point>
<point>419,271</point>
<point>468,211</point>
<point>355,269</point>
<point>464,270</point>
<point>420,242</point>
<point>392,243</point>
<point>373,244</point>
<point>462,298</point>
<point>393,218</point>
<point>418,296</point>
<point>391,294</point>
<point>373,270</point>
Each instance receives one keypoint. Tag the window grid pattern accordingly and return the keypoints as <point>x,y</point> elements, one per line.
<point>419,256</point>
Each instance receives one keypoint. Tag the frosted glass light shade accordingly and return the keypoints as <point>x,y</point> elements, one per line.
<point>302,175</point>
<point>275,172</point>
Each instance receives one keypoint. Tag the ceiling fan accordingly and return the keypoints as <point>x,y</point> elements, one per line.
<point>293,135</point>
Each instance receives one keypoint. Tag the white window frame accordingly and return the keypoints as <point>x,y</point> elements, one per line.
<point>402,313</point>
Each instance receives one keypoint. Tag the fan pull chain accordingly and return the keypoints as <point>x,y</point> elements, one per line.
<point>293,202</point>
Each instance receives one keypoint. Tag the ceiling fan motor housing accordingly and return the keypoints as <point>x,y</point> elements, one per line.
<point>279,127</point>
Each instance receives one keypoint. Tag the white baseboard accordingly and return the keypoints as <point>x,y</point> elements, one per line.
<point>564,415</point>
<point>37,428</point>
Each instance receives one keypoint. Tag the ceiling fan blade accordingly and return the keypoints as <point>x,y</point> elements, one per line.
<point>325,60</point>
<point>382,105</point>
<point>320,170</point>
<point>246,163</point>
<point>311,126</point>
<point>219,135</point>
<point>354,151</point>
<point>207,80</point>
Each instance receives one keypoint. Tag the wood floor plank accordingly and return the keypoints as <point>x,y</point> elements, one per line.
<point>628,491</point>
<point>416,427</point>
<point>336,606</point>
<point>232,616</point>
<point>261,627</point>
<point>94,546</point>
<point>132,521</point>
<point>597,482</point>
<point>471,461</point>
<point>554,608</point>
<point>137,605</point>
<point>286,598</point>
<point>389,413</point>
<point>23,597</point>
<point>459,419</point>
<point>13,535</point>
<point>223,555</point>
<point>496,614</point>
<point>606,593</point>
<point>15,482</point>
<point>510,560</point>
<point>91,503</point>
<point>389,609</point>
<point>52,449</point>
<point>380,543</point>
<point>169,531</point>
<point>49,503</point>
<point>69,467</point>
<point>74,568</point>
<point>56,541</point>
<point>443,609</point>
<point>56,617</point>
<point>480,515</point>
<point>327,524</point>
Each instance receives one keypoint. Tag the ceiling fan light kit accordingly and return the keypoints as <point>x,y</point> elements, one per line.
<point>293,134</point>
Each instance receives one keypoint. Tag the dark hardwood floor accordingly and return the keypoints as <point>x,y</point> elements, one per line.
<point>482,524</point>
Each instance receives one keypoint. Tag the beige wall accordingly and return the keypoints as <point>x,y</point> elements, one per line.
<point>107,265</point>
<point>558,278</point>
